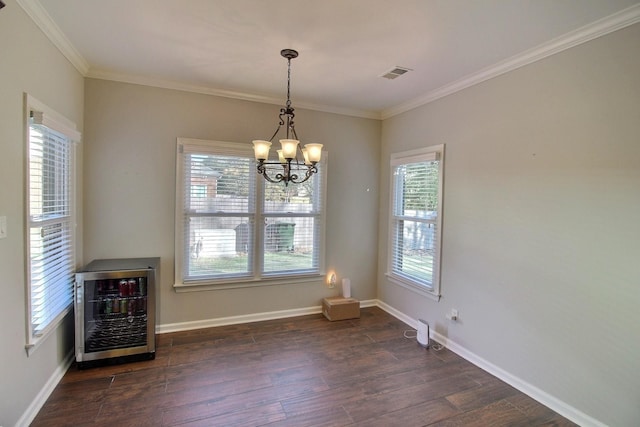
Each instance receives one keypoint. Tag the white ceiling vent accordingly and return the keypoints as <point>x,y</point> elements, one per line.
<point>395,72</point>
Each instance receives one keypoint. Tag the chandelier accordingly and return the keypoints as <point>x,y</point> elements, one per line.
<point>290,167</point>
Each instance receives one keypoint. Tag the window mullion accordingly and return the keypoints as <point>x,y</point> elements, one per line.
<point>258,226</point>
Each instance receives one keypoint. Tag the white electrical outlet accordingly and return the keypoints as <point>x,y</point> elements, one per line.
<point>453,314</point>
<point>3,227</point>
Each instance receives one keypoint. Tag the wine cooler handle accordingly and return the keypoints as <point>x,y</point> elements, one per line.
<point>79,294</point>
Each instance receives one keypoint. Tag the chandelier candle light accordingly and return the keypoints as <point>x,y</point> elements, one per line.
<point>288,168</point>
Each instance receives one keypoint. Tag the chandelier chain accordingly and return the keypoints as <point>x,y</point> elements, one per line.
<point>288,83</point>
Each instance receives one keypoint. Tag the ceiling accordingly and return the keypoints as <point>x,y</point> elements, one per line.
<point>232,47</point>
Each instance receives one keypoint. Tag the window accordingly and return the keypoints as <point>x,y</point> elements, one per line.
<point>235,229</point>
<point>50,219</point>
<point>415,219</point>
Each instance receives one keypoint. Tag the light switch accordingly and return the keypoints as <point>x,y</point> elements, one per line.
<point>3,227</point>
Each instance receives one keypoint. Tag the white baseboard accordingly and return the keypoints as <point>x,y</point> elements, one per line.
<point>247,318</point>
<point>235,320</point>
<point>399,315</point>
<point>530,390</point>
<point>30,414</point>
<point>369,303</point>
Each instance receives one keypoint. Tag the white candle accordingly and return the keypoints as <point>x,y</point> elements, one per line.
<point>346,288</point>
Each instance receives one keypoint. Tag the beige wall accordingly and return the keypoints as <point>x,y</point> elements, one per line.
<point>130,140</point>
<point>28,63</point>
<point>541,223</point>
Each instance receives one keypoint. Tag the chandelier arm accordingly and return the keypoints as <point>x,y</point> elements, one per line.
<point>311,169</point>
<point>290,116</point>
<point>263,172</point>
<point>295,161</point>
<point>276,132</point>
<point>286,176</point>
<point>307,175</point>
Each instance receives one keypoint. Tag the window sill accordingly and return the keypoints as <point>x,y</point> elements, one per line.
<point>245,283</point>
<point>34,343</point>
<point>421,290</point>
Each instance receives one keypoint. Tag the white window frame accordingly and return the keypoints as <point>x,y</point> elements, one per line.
<point>257,279</point>
<point>57,124</point>
<point>404,158</point>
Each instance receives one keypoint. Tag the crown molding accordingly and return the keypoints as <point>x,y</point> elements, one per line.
<point>206,90</point>
<point>43,20</point>
<point>599,28</point>
<point>47,25</point>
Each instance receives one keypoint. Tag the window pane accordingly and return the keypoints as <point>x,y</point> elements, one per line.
<point>49,163</point>
<point>416,188</point>
<point>218,246</point>
<point>291,241</point>
<point>289,244</point>
<point>52,271</point>
<point>294,198</point>
<point>414,250</point>
<point>217,183</point>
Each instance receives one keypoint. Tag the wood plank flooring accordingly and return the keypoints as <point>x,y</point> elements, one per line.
<point>303,371</point>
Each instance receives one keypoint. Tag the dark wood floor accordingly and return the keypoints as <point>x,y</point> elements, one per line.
<point>303,371</point>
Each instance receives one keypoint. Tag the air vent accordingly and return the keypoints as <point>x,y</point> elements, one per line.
<point>395,72</point>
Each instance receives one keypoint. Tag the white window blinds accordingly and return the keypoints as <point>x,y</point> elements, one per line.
<point>293,226</point>
<point>415,218</point>
<point>218,215</point>
<point>50,221</point>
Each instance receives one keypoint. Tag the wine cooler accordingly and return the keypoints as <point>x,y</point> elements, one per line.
<point>115,310</point>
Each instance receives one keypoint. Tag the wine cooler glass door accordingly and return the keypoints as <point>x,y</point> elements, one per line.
<point>115,313</point>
